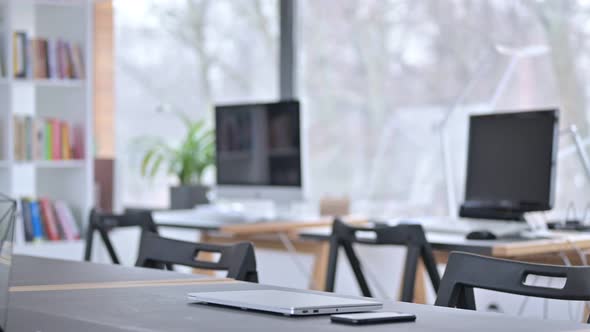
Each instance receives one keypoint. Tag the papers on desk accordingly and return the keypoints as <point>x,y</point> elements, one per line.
<point>210,212</point>
<point>232,213</point>
<point>225,213</point>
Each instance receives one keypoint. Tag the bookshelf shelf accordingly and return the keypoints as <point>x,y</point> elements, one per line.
<point>60,3</point>
<point>47,243</point>
<point>71,250</point>
<point>33,110</point>
<point>59,163</point>
<point>47,163</point>
<point>52,83</point>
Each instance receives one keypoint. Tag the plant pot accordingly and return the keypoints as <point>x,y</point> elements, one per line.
<point>187,196</point>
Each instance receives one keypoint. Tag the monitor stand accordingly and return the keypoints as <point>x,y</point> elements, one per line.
<point>491,213</point>
<point>261,209</point>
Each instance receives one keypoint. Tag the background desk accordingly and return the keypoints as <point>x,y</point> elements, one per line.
<point>538,251</point>
<point>281,235</point>
<point>310,235</point>
<point>166,308</point>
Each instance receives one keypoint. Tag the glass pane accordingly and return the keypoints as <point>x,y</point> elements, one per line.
<point>378,78</point>
<point>188,55</point>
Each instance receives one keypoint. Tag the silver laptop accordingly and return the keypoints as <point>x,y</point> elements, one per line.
<point>289,303</point>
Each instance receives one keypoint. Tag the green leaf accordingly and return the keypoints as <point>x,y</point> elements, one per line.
<point>188,160</point>
<point>146,161</point>
<point>156,165</point>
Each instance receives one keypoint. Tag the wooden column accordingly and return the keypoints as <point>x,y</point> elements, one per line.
<point>320,266</point>
<point>104,101</point>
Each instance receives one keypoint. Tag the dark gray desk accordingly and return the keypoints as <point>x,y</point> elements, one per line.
<point>28,270</point>
<point>166,308</point>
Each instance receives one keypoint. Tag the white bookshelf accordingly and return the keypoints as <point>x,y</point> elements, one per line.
<point>67,180</point>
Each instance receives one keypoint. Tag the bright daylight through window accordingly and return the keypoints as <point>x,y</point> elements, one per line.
<point>382,84</point>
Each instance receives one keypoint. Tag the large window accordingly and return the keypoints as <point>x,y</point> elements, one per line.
<point>377,78</point>
<point>188,55</point>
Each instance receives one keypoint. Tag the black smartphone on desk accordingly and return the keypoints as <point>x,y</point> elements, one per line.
<point>366,318</point>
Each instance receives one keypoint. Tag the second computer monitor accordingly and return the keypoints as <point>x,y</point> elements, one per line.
<point>258,151</point>
<point>511,161</point>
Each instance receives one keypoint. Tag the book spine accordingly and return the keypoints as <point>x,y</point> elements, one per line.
<point>23,138</point>
<point>49,220</point>
<point>39,144</point>
<point>16,137</point>
<point>37,54</point>
<point>48,137</point>
<point>78,143</point>
<point>66,220</point>
<point>20,138</point>
<point>31,47</point>
<point>60,59</point>
<point>69,61</point>
<point>55,140</point>
<point>28,138</point>
<point>58,223</point>
<point>19,54</point>
<point>78,60</point>
<point>46,69</point>
<point>28,59</point>
<point>65,141</point>
<point>25,206</point>
<point>36,221</point>
<point>52,54</point>
<point>15,55</point>
<point>71,221</point>
<point>3,72</point>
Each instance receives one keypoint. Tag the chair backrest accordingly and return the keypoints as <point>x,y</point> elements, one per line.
<point>104,222</point>
<point>465,272</point>
<point>238,260</point>
<point>409,235</point>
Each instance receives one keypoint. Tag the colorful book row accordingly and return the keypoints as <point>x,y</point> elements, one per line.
<point>46,220</point>
<point>41,58</point>
<point>47,139</point>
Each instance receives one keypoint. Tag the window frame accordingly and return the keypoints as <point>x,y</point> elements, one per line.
<point>287,49</point>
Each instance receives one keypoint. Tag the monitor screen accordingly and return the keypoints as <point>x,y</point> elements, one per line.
<point>258,144</point>
<point>511,160</point>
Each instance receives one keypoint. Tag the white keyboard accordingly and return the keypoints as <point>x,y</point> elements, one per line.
<point>466,225</point>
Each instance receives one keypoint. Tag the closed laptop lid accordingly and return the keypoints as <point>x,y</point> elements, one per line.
<point>279,299</point>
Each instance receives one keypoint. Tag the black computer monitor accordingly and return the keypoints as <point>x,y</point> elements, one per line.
<point>511,164</point>
<point>258,150</point>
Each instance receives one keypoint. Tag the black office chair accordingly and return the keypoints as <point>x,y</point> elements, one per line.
<point>411,236</point>
<point>238,260</point>
<point>104,222</point>
<point>465,272</point>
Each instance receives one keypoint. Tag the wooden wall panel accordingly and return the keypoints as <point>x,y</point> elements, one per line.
<point>104,94</point>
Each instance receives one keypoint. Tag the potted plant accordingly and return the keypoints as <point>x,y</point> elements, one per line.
<point>187,162</point>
